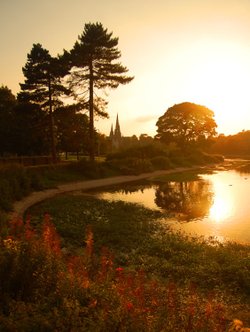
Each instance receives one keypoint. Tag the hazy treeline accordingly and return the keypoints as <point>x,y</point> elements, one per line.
<point>238,144</point>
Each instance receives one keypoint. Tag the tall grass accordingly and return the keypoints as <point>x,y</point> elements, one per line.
<point>43,289</point>
<point>138,239</point>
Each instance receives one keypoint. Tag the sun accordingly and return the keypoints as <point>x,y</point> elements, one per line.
<point>219,79</point>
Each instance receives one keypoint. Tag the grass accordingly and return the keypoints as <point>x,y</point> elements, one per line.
<point>138,239</point>
<point>43,289</point>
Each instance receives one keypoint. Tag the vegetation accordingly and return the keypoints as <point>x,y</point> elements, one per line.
<point>141,276</point>
<point>89,66</point>
<point>232,145</point>
<point>93,67</point>
<point>186,124</point>
<point>155,156</point>
<point>43,86</point>
<point>148,278</point>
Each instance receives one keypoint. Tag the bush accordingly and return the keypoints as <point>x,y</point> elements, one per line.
<point>130,166</point>
<point>14,184</point>
<point>178,158</point>
<point>161,162</point>
<point>43,290</point>
<point>141,152</point>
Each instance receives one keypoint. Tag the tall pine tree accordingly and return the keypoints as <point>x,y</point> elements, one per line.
<point>95,67</point>
<point>43,85</point>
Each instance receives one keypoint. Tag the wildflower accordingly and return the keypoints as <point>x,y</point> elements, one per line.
<point>10,244</point>
<point>85,282</point>
<point>119,269</point>
<point>237,325</point>
<point>28,231</point>
<point>209,310</point>
<point>89,241</point>
<point>16,227</point>
<point>129,306</point>
<point>93,304</point>
<point>50,236</point>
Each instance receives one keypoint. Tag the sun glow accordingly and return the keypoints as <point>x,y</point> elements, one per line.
<point>223,201</point>
<point>219,79</point>
<point>220,210</point>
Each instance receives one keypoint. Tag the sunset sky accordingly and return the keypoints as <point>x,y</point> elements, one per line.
<point>178,50</point>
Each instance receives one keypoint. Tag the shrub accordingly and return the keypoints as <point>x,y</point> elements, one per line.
<point>146,151</point>
<point>161,162</point>
<point>43,290</point>
<point>130,166</point>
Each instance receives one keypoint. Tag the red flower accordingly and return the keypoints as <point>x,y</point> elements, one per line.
<point>119,269</point>
<point>129,306</point>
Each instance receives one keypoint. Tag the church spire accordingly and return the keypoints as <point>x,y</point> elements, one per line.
<point>117,128</point>
<point>115,135</point>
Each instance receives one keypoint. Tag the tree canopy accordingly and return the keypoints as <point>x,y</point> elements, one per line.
<point>186,123</point>
<point>95,67</point>
<point>7,103</point>
<point>43,86</point>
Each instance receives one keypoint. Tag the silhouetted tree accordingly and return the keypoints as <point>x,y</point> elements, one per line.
<point>72,129</point>
<point>30,134</point>
<point>7,104</point>
<point>238,144</point>
<point>94,66</point>
<point>186,124</point>
<point>43,85</point>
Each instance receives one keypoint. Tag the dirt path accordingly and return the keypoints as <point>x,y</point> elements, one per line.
<point>21,206</point>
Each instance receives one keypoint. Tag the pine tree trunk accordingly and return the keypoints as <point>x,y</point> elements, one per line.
<point>91,113</point>
<point>52,131</point>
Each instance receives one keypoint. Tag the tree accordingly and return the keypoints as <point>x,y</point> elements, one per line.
<point>94,67</point>
<point>43,85</point>
<point>7,104</point>
<point>72,128</point>
<point>30,135</point>
<point>186,124</point>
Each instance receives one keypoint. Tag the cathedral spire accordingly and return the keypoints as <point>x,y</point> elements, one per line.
<point>117,128</point>
<point>115,135</point>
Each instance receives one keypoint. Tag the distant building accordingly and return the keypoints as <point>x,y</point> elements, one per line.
<point>115,135</point>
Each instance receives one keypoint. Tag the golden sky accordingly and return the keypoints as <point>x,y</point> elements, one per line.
<point>178,50</point>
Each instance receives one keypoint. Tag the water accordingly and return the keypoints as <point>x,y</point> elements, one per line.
<point>215,205</point>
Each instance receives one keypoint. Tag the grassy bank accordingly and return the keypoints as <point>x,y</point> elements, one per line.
<point>17,181</point>
<point>138,240</point>
<point>44,289</point>
<point>117,267</point>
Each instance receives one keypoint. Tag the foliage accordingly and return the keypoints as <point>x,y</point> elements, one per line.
<point>14,184</point>
<point>47,290</point>
<point>186,124</point>
<point>139,239</point>
<point>7,104</point>
<point>43,86</point>
<point>72,129</point>
<point>155,156</point>
<point>130,166</point>
<point>232,145</point>
<point>141,151</point>
<point>42,79</point>
<point>161,162</point>
<point>30,134</point>
<point>93,68</point>
<point>17,181</point>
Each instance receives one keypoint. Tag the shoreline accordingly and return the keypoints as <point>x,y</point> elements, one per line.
<point>19,207</point>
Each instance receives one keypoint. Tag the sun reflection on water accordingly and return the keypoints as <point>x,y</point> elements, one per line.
<point>221,208</point>
<point>223,201</point>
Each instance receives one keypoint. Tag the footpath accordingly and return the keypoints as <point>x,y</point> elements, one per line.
<point>21,206</point>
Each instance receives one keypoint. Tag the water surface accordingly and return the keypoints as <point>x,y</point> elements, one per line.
<point>216,204</point>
